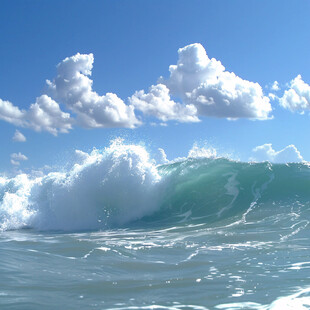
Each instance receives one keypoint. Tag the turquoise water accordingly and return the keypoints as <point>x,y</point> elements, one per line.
<point>120,233</point>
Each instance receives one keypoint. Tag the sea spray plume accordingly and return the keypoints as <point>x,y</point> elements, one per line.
<point>197,151</point>
<point>108,188</point>
<point>161,157</point>
<point>14,195</point>
<point>202,152</point>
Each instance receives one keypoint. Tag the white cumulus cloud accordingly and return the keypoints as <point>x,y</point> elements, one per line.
<point>275,86</point>
<point>197,86</point>
<point>297,97</point>
<point>43,115</point>
<point>46,115</point>
<point>16,158</point>
<point>11,113</point>
<point>19,137</point>
<point>203,82</point>
<point>265,152</point>
<point>157,103</point>
<point>205,88</point>
<point>73,87</point>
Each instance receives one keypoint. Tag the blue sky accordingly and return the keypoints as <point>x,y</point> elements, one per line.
<point>134,43</point>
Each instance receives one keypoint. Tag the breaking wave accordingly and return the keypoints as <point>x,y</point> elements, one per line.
<point>121,185</point>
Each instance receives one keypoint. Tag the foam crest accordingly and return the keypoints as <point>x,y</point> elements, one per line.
<point>297,301</point>
<point>14,210</point>
<point>202,152</point>
<point>107,188</point>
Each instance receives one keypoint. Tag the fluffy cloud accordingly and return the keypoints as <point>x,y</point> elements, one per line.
<point>205,89</point>
<point>73,87</point>
<point>19,137</point>
<point>275,86</point>
<point>11,113</point>
<point>157,103</point>
<point>273,96</point>
<point>266,153</point>
<point>203,82</point>
<point>17,157</point>
<point>197,86</point>
<point>43,115</point>
<point>297,97</point>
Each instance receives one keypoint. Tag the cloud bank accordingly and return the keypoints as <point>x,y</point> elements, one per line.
<point>197,86</point>
<point>205,88</point>
<point>157,103</point>
<point>265,152</point>
<point>297,97</point>
<point>73,87</point>
<point>43,115</point>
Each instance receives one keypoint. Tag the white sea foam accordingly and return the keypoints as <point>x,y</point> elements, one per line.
<point>106,188</point>
<point>297,301</point>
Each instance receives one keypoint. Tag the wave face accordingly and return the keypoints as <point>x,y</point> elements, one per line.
<point>210,190</point>
<point>122,185</point>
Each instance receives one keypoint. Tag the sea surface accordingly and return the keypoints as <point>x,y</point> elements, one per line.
<point>118,231</point>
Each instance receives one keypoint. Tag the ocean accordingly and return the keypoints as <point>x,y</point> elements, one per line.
<point>115,230</point>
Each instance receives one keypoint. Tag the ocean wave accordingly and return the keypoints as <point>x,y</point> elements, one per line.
<point>122,184</point>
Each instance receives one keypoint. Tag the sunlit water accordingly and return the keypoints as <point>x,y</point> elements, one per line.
<point>186,266</point>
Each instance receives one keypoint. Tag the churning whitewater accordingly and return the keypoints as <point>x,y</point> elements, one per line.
<point>118,231</point>
<point>122,184</point>
<point>106,189</point>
